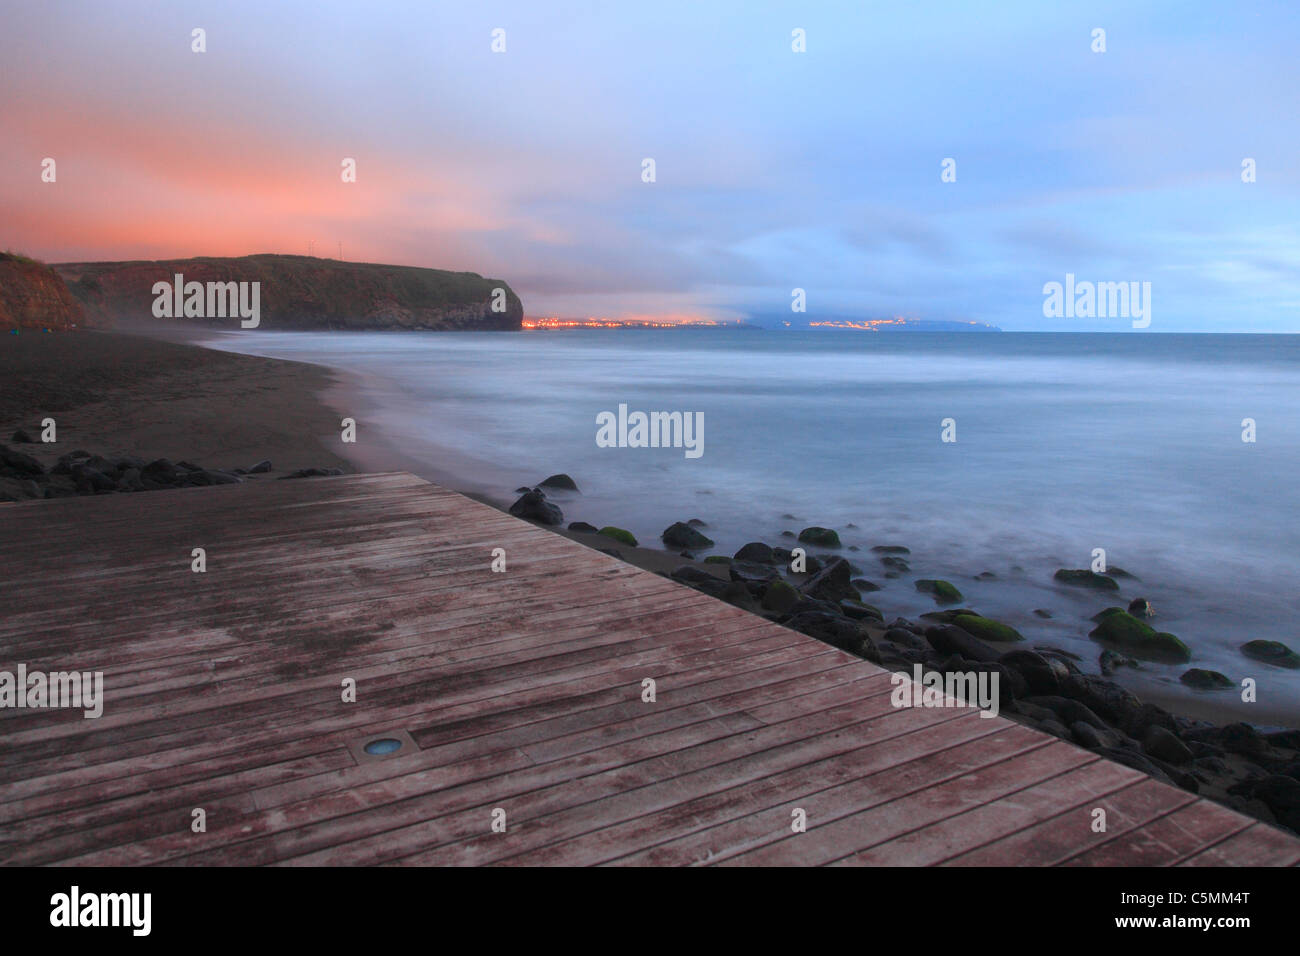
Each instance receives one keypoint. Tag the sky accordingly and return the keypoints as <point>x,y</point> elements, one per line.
<point>775,170</point>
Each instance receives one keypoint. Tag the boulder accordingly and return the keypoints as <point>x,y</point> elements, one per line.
<point>618,534</point>
<point>832,583</point>
<point>821,537</point>
<point>1271,652</point>
<point>941,591</point>
<point>1163,745</point>
<point>563,482</point>
<point>261,468</point>
<point>985,629</point>
<point>18,464</point>
<point>1139,638</point>
<point>779,597</point>
<point>1203,679</point>
<point>534,507</point>
<point>949,639</point>
<point>1084,578</point>
<point>757,551</point>
<point>583,527</point>
<point>682,535</point>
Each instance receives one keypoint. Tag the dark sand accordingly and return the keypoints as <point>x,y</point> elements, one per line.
<point>118,394</point>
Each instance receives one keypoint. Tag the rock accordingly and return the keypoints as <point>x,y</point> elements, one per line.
<point>779,597</point>
<point>891,549</point>
<point>717,559</point>
<point>1041,612</point>
<point>20,437</point>
<point>949,639</point>
<point>862,584</point>
<point>300,473</point>
<point>985,629</point>
<point>1163,745</point>
<point>756,551</point>
<point>1271,652</point>
<point>787,534</point>
<point>859,611</point>
<point>1083,578</point>
<point>1093,737</point>
<point>682,535</point>
<point>1111,661</point>
<point>895,564</point>
<point>941,591</point>
<point>1141,607</point>
<point>19,464</point>
<point>1139,639</point>
<point>1055,728</point>
<point>130,481</point>
<point>563,482</point>
<point>523,490</point>
<point>821,537</point>
<point>618,534</point>
<point>697,523</point>
<point>160,470</point>
<point>692,575</point>
<point>535,507</point>
<point>1281,794</point>
<point>737,594</point>
<point>1203,679</point>
<point>261,468</point>
<point>751,571</point>
<point>1042,675</point>
<point>221,478</point>
<point>584,527</point>
<point>1119,707</point>
<point>829,628</point>
<point>832,583</point>
<point>1068,711</point>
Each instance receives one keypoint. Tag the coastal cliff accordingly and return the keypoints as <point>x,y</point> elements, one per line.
<point>34,296</point>
<point>302,292</point>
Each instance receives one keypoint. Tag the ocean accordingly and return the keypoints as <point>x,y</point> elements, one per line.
<point>1064,443</point>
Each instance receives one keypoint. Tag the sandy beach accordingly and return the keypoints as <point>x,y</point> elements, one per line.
<point>114,393</point>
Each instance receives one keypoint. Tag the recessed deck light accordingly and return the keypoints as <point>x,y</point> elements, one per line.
<point>383,745</point>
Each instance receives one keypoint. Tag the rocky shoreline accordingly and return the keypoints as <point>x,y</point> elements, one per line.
<point>78,472</point>
<point>810,588</point>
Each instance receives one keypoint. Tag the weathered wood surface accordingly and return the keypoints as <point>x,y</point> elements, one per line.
<point>520,690</point>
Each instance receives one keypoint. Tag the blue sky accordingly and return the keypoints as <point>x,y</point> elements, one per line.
<point>775,169</point>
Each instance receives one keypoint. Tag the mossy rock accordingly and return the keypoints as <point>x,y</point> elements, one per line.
<point>891,549</point>
<point>1107,612</point>
<point>717,559</point>
<point>1271,652</point>
<point>1139,638</point>
<point>618,534</point>
<point>779,596</point>
<point>986,630</point>
<point>1084,578</point>
<point>1202,679</point>
<point>942,591</point>
<point>822,537</point>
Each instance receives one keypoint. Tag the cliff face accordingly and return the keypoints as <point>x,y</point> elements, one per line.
<point>299,292</point>
<point>34,296</point>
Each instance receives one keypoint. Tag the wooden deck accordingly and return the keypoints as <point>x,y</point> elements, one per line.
<point>518,690</point>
